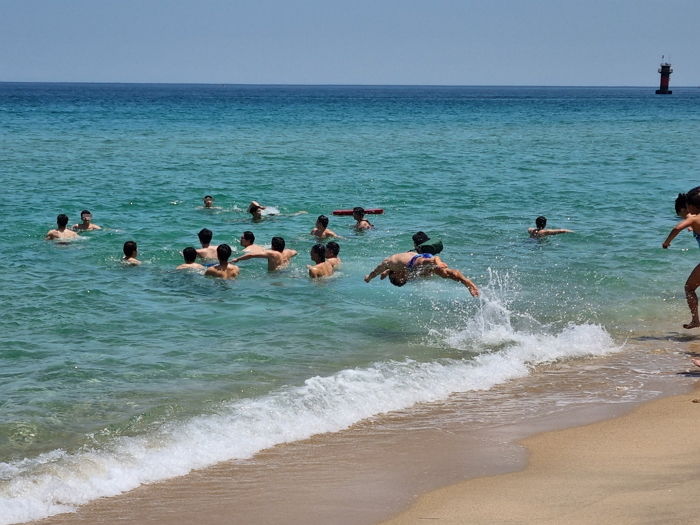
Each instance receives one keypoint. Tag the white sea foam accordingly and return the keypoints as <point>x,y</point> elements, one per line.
<point>58,482</point>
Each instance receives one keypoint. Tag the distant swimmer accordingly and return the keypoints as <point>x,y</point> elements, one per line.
<point>190,256</point>
<point>87,224</point>
<point>358,213</point>
<point>208,201</point>
<point>255,209</point>
<point>206,251</point>
<point>539,231</point>
<point>248,243</point>
<point>332,251</point>
<point>321,229</point>
<point>223,270</point>
<point>130,253</point>
<point>403,267</point>
<point>277,258</point>
<point>61,233</point>
<point>692,220</point>
<point>323,267</point>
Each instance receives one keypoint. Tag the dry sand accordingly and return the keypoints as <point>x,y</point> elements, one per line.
<point>643,467</point>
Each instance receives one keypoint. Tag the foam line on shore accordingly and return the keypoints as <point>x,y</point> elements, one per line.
<point>59,481</point>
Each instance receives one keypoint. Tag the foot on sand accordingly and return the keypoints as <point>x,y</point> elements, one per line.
<point>692,324</point>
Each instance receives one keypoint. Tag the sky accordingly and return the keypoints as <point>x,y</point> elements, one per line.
<point>429,42</point>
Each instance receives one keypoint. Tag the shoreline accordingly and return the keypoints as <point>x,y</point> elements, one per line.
<point>378,467</point>
<point>639,467</point>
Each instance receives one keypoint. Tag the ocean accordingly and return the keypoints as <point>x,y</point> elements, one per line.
<point>114,376</point>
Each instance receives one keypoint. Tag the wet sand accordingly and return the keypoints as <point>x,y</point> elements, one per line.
<point>378,468</point>
<point>643,467</point>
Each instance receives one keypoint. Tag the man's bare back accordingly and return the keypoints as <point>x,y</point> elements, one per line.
<point>60,235</point>
<point>223,271</point>
<point>207,253</point>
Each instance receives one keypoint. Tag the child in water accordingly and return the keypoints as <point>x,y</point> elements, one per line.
<point>692,221</point>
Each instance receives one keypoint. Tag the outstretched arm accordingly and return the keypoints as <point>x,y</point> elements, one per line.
<point>555,232</point>
<point>247,256</point>
<point>384,265</point>
<point>676,230</point>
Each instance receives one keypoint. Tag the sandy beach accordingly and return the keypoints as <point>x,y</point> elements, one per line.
<point>643,467</point>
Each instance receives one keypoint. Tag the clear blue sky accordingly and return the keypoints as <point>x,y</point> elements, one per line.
<point>453,42</point>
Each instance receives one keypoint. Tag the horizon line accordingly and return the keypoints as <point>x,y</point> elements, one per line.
<point>251,84</point>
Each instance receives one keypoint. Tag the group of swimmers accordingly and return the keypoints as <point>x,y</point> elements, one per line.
<point>400,268</point>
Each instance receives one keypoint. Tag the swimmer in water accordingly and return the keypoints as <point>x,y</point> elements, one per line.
<point>190,256</point>
<point>277,258</point>
<point>248,242</point>
<point>206,251</point>
<point>86,225</point>
<point>130,253</point>
<point>321,230</point>
<point>255,209</point>
<point>358,213</point>
<point>692,220</point>
<point>403,267</point>
<point>323,267</point>
<point>208,201</point>
<point>539,231</point>
<point>61,233</point>
<point>332,251</point>
<point>223,270</point>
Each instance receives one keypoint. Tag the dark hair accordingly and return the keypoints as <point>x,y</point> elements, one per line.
<point>541,222</point>
<point>692,198</point>
<point>189,254</point>
<point>358,210</point>
<point>62,220</point>
<point>320,250</point>
<point>419,238</point>
<point>680,203</point>
<point>396,280</point>
<point>84,212</point>
<point>322,220</point>
<point>205,235</point>
<point>208,197</point>
<point>223,252</point>
<point>129,248</point>
<point>277,244</point>
<point>248,236</point>
<point>332,249</point>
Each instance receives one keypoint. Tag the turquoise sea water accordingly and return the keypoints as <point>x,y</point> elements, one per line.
<point>114,376</point>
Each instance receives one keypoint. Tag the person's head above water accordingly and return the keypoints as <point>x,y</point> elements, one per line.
<point>318,253</point>
<point>255,209</point>
<point>541,222</point>
<point>208,201</point>
<point>692,199</point>
<point>62,220</point>
<point>205,235</point>
<point>277,244</point>
<point>85,215</point>
<point>129,249</point>
<point>322,221</point>
<point>189,254</point>
<point>332,249</point>
<point>358,213</point>
<point>223,252</point>
<point>681,205</point>
<point>397,279</point>
<point>247,238</point>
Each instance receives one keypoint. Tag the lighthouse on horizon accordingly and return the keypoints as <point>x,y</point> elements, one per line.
<point>665,70</point>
